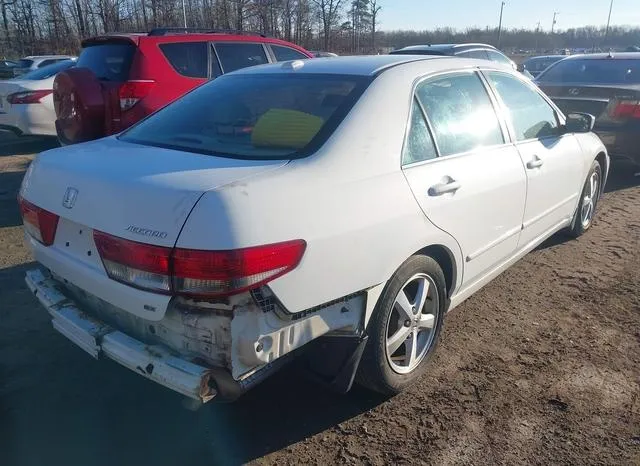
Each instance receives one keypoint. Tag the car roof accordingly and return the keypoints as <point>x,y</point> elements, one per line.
<point>609,56</point>
<point>447,47</point>
<point>171,34</point>
<point>546,57</point>
<point>368,65</point>
<point>45,57</point>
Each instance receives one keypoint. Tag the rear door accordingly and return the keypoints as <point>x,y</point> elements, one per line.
<point>467,178</point>
<point>552,159</point>
<point>110,61</point>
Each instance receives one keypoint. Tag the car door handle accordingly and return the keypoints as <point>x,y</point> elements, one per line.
<point>535,163</point>
<point>444,188</point>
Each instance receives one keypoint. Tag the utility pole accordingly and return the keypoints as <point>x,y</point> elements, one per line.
<point>500,23</point>
<point>606,32</point>
<point>553,23</point>
<point>184,14</point>
<point>537,35</point>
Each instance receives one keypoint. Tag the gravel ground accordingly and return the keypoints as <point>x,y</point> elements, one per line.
<point>540,367</point>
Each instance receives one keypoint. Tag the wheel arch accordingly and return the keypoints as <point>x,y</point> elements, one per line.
<point>446,260</point>
<point>603,160</point>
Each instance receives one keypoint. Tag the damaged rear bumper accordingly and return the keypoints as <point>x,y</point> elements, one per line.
<point>154,362</point>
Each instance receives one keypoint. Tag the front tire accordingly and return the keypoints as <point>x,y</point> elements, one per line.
<point>405,327</point>
<point>589,198</point>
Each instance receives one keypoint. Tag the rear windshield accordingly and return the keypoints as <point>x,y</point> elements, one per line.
<point>109,62</point>
<point>593,71</point>
<point>25,63</point>
<point>49,70</point>
<point>256,116</point>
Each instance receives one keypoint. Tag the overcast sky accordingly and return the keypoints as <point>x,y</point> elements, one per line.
<point>460,14</point>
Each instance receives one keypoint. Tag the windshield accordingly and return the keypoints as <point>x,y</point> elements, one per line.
<point>593,71</point>
<point>269,116</point>
<point>48,71</point>
<point>108,61</point>
<point>25,63</point>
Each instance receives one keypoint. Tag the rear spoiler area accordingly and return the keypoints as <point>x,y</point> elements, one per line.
<point>112,38</point>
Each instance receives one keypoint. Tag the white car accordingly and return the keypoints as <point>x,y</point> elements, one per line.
<point>342,206</point>
<point>26,104</point>
<point>35,62</point>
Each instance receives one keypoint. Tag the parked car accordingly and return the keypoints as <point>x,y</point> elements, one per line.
<point>122,78</point>
<point>34,62</point>
<point>536,65</point>
<point>319,54</point>
<point>6,68</point>
<point>26,104</point>
<point>606,86</point>
<point>478,51</point>
<point>178,250</point>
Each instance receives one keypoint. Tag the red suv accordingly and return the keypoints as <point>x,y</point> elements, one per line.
<point>121,78</point>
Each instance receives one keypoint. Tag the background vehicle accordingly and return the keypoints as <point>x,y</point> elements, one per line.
<point>6,68</point>
<point>26,104</point>
<point>122,78</point>
<point>606,86</point>
<point>536,65</point>
<point>477,51</point>
<point>34,62</point>
<point>182,233</point>
<point>319,54</point>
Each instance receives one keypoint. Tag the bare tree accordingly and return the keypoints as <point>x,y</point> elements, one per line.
<point>375,10</point>
<point>329,13</point>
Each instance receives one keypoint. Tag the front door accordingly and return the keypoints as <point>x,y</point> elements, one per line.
<point>468,181</point>
<point>552,159</point>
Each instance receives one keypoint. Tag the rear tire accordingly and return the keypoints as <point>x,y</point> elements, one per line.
<point>403,338</point>
<point>585,213</point>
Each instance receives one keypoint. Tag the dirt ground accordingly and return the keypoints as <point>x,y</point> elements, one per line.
<point>541,367</point>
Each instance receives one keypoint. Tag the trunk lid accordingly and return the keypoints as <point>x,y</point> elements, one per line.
<point>132,191</point>
<point>598,100</point>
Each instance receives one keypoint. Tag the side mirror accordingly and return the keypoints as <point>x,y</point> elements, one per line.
<point>520,67</point>
<point>580,123</point>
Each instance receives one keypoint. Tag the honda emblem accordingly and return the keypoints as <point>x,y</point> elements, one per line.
<point>70,196</point>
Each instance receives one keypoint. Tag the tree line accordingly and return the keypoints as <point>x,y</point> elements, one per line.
<point>342,26</point>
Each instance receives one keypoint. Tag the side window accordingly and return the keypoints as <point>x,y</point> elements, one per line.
<point>478,54</point>
<point>461,113</point>
<point>531,116</point>
<point>419,145</point>
<point>45,63</point>
<point>234,56</point>
<point>188,58</point>
<point>287,53</point>
<point>498,57</point>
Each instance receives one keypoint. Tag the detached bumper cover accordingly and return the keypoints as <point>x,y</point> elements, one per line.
<point>98,339</point>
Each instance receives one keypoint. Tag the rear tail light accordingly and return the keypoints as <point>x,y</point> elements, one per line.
<point>137,264</point>
<point>626,109</point>
<point>193,272</point>
<point>28,97</point>
<point>131,92</point>
<point>39,223</point>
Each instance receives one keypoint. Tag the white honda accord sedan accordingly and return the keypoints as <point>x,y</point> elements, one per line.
<point>330,209</point>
